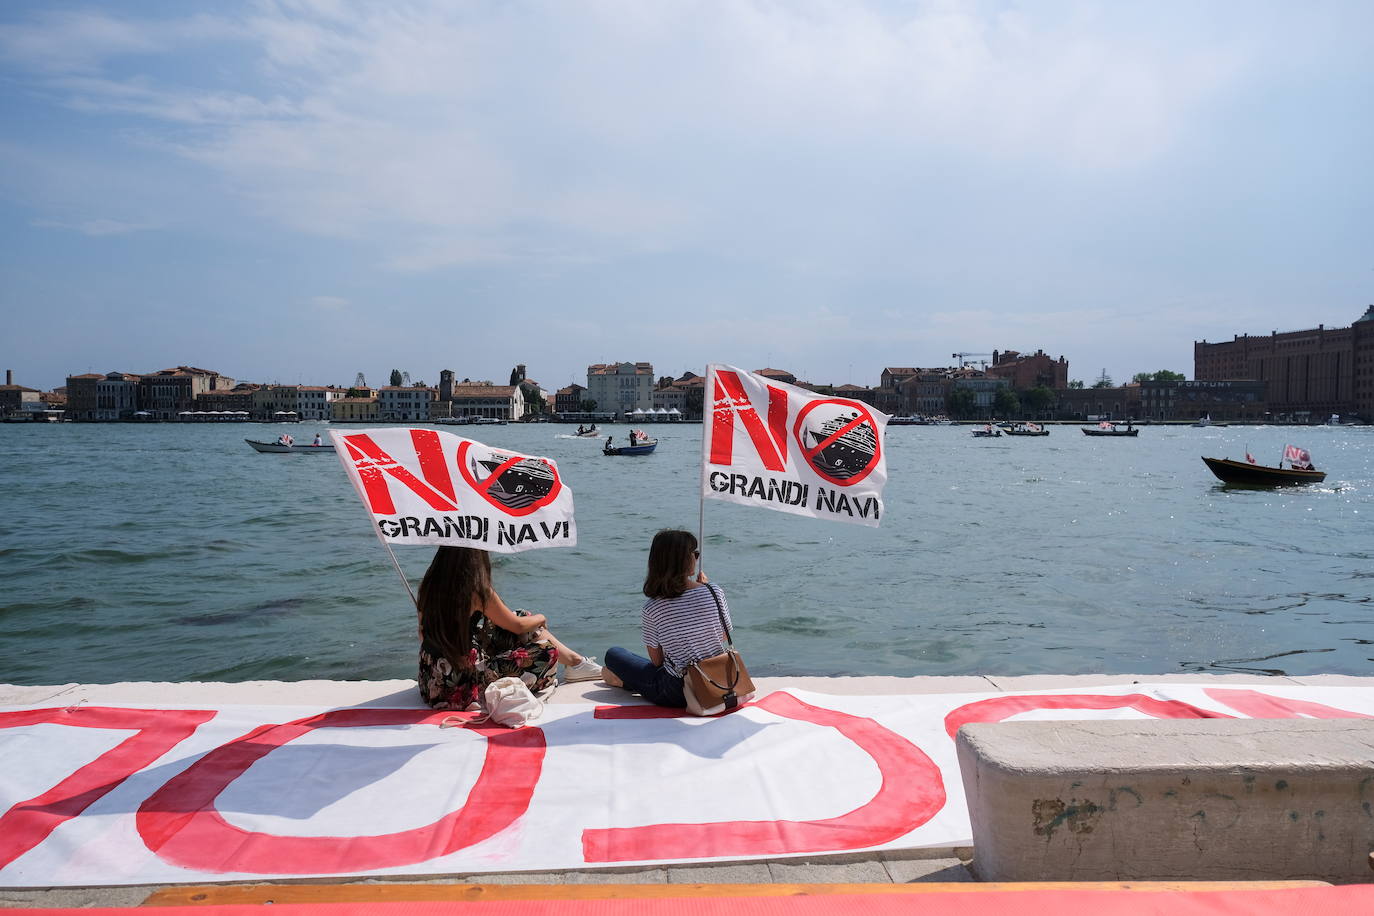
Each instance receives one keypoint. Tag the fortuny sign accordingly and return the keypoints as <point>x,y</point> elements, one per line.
<point>780,447</point>
<point>427,487</point>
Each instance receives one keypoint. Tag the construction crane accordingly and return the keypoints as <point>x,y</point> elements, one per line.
<point>964,360</point>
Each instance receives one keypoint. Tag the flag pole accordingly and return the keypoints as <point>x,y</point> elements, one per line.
<point>396,563</point>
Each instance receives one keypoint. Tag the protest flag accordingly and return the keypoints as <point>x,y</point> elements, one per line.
<point>422,486</point>
<point>777,446</point>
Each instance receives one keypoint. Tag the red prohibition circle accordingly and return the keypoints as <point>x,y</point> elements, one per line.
<point>482,487</point>
<point>180,823</point>
<point>864,417</point>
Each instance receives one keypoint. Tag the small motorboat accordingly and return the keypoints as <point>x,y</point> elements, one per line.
<point>641,447</point>
<point>1107,428</point>
<point>593,433</point>
<point>292,448</point>
<point>1026,429</point>
<point>988,432</point>
<point>1261,475</point>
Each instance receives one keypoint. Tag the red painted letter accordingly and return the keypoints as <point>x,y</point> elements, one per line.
<point>729,401</point>
<point>29,822</point>
<point>180,823</point>
<point>999,708</point>
<point>911,793</point>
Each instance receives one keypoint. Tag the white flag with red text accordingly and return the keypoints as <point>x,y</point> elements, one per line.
<point>422,486</point>
<point>1297,456</point>
<point>777,446</point>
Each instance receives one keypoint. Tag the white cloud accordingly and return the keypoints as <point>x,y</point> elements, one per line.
<point>449,133</point>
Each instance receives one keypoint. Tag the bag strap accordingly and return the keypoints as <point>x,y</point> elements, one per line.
<point>721,611</point>
<point>734,661</point>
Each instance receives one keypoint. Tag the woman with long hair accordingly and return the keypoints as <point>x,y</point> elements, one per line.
<point>469,638</point>
<point>681,623</point>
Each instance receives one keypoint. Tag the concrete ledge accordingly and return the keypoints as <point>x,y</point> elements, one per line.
<point>1212,799</point>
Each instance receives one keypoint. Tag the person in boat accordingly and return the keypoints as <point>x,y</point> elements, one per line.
<point>610,443</point>
<point>285,439</point>
<point>680,623</point>
<point>469,637</point>
<point>319,440</point>
<point>580,429</point>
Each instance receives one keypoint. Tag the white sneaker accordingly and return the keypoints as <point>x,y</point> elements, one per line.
<point>589,669</point>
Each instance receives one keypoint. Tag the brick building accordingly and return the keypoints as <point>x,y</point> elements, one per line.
<point>1034,370</point>
<point>1308,375</point>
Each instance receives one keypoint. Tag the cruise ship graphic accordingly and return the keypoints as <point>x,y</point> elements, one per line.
<point>849,454</point>
<point>520,485</point>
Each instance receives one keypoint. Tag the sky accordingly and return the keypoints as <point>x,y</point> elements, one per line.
<point>297,191</point>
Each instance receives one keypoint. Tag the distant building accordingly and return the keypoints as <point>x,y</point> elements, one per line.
<point>925,394</point>
<point>1035,370</point>
<point>1309,375</point>
<point>887,397</point>
<point>313,401</point>
<point>396,403</point>
<point>777,375</point>
<point>82,395</point>
<point>1118,403</point>
<point>569,399</point>
<point>1223,399</point>
<point>483,399</point>
<point>116,396</point>
<point>856,393</point>
<point>168,392</point>
<point>16,399</point>
<point>354,410</point>
<point>621,387</point>
<point>239,400</point>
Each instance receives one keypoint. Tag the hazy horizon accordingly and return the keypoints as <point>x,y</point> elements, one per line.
<point>299,190</point>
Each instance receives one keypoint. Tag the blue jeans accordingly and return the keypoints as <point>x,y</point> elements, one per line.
<point>655,684</point>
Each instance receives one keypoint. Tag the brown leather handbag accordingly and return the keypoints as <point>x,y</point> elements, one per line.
<point>720,683</point>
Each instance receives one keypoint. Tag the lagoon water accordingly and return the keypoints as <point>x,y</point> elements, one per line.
<point>174,552</point>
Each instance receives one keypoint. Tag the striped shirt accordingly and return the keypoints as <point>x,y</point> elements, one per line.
<point>687,628</point>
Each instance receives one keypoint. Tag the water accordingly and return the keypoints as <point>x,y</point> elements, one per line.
<point>174,552</point>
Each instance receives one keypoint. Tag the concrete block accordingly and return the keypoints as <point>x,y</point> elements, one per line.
<point>721,873</point>
<point>909,870</point>
<point>1210,799</point>
<point>646,875</point>
<point>842,869</point>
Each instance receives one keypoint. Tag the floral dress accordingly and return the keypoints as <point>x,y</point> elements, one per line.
<point>496,653</point>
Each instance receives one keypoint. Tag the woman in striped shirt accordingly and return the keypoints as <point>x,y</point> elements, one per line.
<point>681,622</point>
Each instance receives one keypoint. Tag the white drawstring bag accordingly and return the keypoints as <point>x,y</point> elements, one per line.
<point>506,701</point>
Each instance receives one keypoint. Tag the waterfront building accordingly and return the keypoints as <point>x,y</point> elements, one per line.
<point>777,375</point>
<point>888,395</point>
<point>354,410</point>
<point>166,393</point>
<point>400,403</point>
<point>977,381</point>
<point>1034,370</point>
<point>116,396</point>
<point>17,399</point>
<point>1116,403</point>
<point>1222,399</point>
<point>313,401</point>
<point>237,401</point>
<point>483,399</point>
<point>569,399</point>
<point>1309,375</point>
<point>621,387</point>
<point>276,402</point>
<point>924,394</point>
<point>855,393</point>
<point>81,395</point>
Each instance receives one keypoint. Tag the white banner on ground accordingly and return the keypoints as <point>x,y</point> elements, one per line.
<point>422,486</point>
<point>98,795</point>
<point>776,446</point>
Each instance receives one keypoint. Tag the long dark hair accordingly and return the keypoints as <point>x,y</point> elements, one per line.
<point>457,583</point>
<point>671,558</point>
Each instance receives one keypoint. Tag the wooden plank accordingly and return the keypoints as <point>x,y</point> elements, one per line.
<point>238,894</point>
